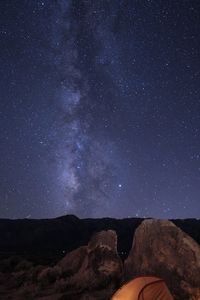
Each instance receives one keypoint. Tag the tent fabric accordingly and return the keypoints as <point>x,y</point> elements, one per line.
<point>144,288</point>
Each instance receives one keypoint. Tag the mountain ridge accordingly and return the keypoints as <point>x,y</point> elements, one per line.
<point>60,235</point>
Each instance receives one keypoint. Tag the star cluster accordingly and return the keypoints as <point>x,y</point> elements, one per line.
<point>100,108</point>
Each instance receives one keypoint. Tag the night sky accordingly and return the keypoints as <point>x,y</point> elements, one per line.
<point>100,108</point>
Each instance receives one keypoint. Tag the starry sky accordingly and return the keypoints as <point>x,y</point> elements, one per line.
<point>100,108</point>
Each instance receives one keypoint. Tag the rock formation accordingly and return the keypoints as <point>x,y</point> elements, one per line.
<point>162,249</point>
<point>94,271</point>
<point>90,272</point>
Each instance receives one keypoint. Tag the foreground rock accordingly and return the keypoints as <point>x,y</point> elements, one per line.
<point>94,271</point>
<point>162,249</point>
<point>90,272</point>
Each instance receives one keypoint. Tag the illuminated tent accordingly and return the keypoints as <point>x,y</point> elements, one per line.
<point>144,288</point>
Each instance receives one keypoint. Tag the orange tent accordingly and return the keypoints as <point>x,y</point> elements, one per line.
<point>144,288</point>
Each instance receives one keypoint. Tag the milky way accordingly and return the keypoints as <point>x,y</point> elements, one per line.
<point>86,161</point>
<point>100,110</point>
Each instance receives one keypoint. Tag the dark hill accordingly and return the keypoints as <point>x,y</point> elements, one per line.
<point>52,238</point>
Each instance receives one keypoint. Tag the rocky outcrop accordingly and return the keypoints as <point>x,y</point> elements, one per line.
<point>96,267</point>
<point>90,272</point>
<point>162,249</point>
<point>94,271</point>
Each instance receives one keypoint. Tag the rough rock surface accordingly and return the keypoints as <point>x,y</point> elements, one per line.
<point>160,248</point>
<point>90,272</point>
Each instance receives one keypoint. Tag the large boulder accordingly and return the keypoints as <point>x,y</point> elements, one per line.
<point>162,249</point>
<point>93,271</point>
